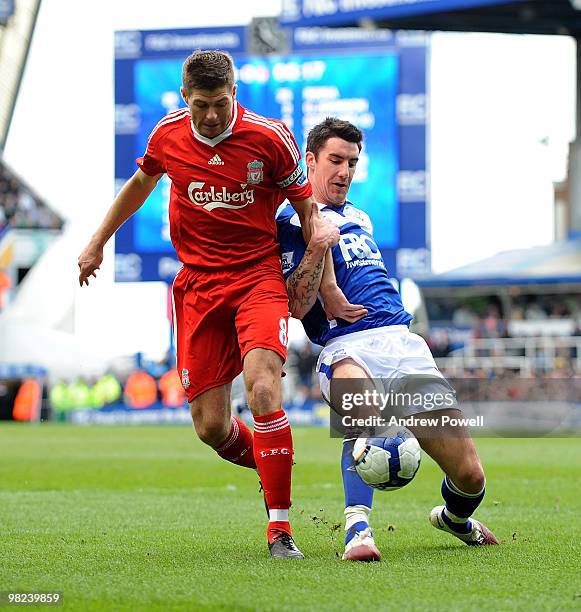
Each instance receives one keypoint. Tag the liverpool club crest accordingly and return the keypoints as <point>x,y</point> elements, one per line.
<point>255,172</point>
<point>185,378</point>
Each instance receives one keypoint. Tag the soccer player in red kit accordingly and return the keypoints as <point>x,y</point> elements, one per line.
<point>230,169</point>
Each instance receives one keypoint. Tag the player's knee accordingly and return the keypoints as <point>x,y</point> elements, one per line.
<point>470,477</point>
<point>261,395</point>
<point>211,433</point>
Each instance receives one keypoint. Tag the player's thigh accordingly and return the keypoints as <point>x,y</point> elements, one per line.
<point>262,328</point>
<point>347,368</point>
<point>349,380</point>
<point>211,409</point>
<point>260,363</point>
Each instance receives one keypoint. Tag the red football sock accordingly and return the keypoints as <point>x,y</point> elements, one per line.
<point>238,446</point>
<point>273,452</point>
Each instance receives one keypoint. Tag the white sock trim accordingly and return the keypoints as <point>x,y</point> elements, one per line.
<point>455,519</point>
<point>355,514</point>
<point>278,515</point>
<point>456,490</point>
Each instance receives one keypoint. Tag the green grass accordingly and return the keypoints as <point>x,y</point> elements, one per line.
<point>122,518</point>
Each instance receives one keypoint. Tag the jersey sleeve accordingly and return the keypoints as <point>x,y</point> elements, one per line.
<point>288,172</point>
<point>153,160</point>
<point>291,243</point>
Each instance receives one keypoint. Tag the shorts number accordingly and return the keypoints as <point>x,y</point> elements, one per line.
<point>283,333</point>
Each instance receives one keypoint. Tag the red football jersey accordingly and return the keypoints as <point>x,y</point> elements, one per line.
<point>225,190</point>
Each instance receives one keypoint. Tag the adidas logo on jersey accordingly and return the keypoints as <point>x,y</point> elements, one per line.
<point>216,161</point>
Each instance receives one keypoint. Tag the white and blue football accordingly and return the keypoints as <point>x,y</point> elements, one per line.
<point>388,463</point>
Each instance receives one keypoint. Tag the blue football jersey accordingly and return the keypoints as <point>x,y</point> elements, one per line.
<point>359,269</point>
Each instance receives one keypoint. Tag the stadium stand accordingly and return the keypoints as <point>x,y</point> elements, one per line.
<point>15,36</point>
<point>20,208</point>
<point>519,311</point>
<point>27,228</point>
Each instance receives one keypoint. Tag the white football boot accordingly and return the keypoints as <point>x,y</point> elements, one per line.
<point>362,547</point>
<point>479,535</point>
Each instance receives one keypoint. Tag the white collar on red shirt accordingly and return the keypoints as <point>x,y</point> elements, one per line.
<point>212,142</point>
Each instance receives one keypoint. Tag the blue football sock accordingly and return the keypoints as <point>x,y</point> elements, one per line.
<point>358,495</point>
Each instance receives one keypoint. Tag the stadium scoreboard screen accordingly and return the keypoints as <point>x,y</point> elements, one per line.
<point>322,77</point>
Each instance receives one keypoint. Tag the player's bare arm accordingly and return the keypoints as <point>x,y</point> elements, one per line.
<point>304,209</point>
<point>303,284</point>
<point>337,306</point>
<point>128,201</point>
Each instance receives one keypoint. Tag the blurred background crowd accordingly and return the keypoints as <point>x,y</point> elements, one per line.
<point>20,208</point>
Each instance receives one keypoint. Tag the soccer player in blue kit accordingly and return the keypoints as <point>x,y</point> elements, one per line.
<point>379,345</point>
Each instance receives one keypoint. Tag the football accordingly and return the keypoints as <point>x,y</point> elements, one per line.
<point>388,463</point>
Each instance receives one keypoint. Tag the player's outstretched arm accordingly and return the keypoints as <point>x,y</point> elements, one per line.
<point>128,201</point>
<point>337,306</point>
<point>303,284</point>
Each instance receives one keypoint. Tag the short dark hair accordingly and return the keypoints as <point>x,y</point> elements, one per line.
<point>207,70</point>
<point>332,127</point>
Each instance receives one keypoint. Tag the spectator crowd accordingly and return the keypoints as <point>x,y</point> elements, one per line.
<point>140,389</point>
<point>19,208</point>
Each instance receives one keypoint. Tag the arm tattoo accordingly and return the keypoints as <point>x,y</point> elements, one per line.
<point>303,284</point>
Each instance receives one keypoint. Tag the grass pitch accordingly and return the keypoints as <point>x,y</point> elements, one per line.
<point>148,518</point>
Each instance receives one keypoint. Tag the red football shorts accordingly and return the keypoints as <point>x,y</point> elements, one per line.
<point>220,316</point>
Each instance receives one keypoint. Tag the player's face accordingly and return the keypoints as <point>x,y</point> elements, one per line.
<point>331,173</point>
<point>211,110</point>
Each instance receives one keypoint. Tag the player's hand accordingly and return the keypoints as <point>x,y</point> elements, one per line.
<point>324,234</point>
<point>337,306</point>
<point>89,261</point>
